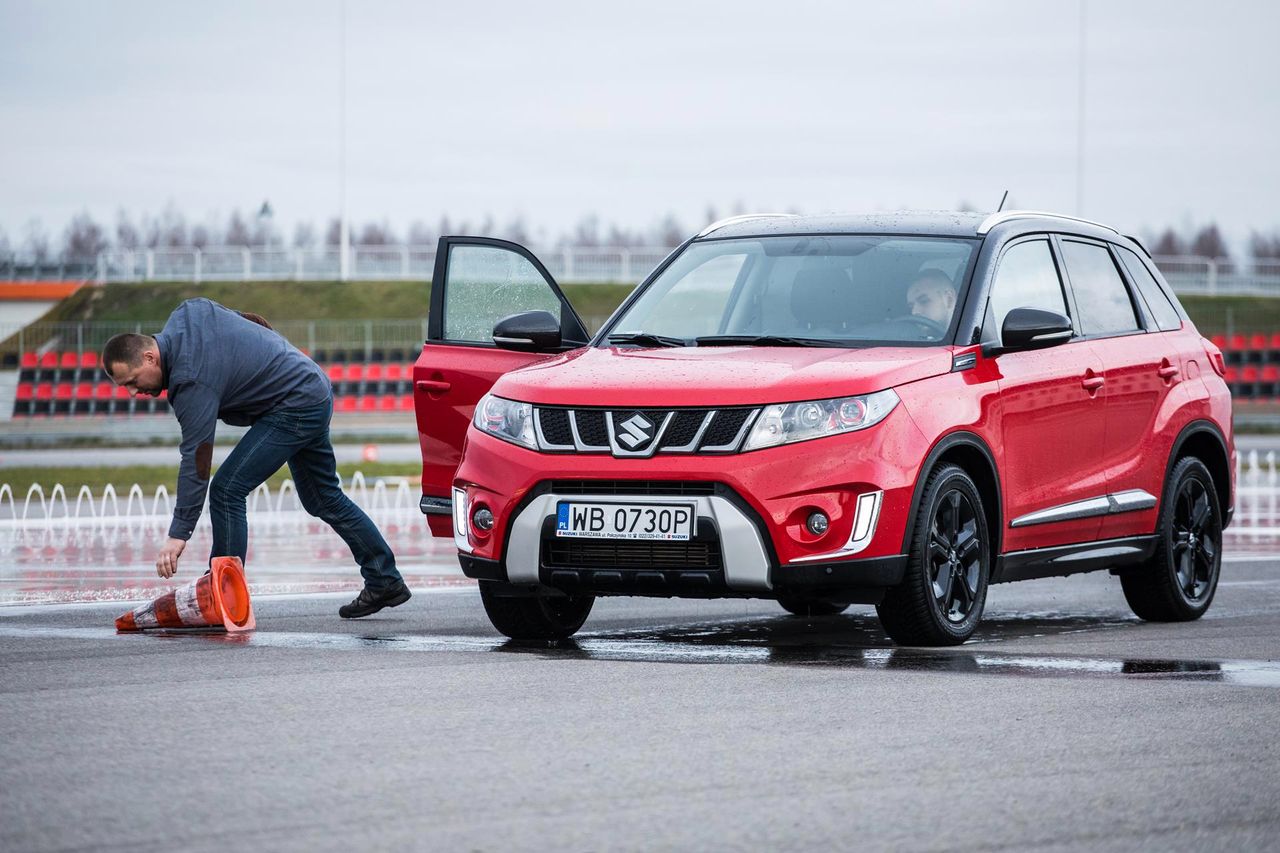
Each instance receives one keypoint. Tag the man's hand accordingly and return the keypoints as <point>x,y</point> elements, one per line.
<point>167,562</point>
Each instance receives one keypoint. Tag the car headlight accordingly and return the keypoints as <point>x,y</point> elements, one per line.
<point>783,423</point>
<point>506,419</point>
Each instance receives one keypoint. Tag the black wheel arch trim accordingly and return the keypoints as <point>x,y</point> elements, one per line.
<point>1194,428</point>
<point>950,441</point>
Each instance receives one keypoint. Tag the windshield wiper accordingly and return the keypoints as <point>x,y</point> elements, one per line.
<point>647,339</point>
<point>762,341</point>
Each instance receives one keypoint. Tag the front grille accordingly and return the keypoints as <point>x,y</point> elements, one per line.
<point>658,488</point>
<point>671,431</point>
<point>626,555</point>
<point>724,427</point>
<point>555,426</point>
<point>591,427</point>
<point>684,426</point>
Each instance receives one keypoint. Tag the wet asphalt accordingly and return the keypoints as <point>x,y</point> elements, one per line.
<point>1066,724</point>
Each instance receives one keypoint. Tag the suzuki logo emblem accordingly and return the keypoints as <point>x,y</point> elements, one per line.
<point>636,430</point>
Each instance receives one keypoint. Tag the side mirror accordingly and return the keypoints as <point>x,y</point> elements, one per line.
<point>1033,328</point>
<point>528,331</point>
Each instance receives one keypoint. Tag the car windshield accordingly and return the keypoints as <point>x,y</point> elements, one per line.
<point>841,290</point>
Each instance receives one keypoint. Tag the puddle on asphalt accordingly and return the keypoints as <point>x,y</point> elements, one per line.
<point>838,642</point>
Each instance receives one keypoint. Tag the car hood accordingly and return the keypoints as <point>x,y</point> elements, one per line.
<point>717,376</point>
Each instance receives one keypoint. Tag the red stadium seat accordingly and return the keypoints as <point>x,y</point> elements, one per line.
<point>387,403</point>
<point>355,372</point>
<point>346,404</point>
<point>1231,375</point>
<point>336,373</point>
<point>1238,342</point>
<point>29,359</point>
<point>373,373</point>
<point>368,403</point>
<point>405,403</point>
<point>69,361</point>
<point>24,401</point>
<point>1249,374</point>
<point>1219,341</point>
<point>393,372</point>
<point>26,391</point>
<point>88,359</point>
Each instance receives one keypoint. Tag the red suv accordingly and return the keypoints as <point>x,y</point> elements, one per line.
<point>893,410</point>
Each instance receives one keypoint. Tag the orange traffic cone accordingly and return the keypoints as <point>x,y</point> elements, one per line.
<point>219,598</point>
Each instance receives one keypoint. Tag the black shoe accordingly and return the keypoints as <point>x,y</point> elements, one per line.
<point>371,601</point>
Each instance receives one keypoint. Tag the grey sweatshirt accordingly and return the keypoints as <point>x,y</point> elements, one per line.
<point>218,365</point>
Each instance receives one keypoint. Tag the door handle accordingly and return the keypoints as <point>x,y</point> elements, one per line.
<point>1167,371</point>
<point>432,386</point>
<point>1092,382</point>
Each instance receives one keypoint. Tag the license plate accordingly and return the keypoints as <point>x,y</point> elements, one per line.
<point>624,521</point>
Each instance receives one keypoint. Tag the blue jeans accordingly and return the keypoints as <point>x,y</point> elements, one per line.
<point>299,437</point>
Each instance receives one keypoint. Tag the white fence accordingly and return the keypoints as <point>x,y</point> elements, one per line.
<point>617,264</point>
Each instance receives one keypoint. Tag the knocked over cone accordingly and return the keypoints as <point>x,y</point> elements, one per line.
<point>218,599</point>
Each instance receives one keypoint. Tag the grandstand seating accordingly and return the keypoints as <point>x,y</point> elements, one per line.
<point>70,384</point>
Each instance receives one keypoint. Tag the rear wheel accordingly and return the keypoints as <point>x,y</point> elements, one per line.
<point>1178,584</point>
<point>535,617</point>
<point>811,607</point>
<point>942,593</point>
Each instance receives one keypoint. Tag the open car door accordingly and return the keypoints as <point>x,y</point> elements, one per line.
<point>477,282</point>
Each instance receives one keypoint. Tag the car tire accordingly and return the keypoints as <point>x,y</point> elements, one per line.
<point>1179,582</point>
<point>944,588</point>
<point>811,608</point>
<point>535,617</point>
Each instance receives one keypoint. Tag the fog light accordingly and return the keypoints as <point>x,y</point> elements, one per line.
<point>818,523</point>
<point>483,519</point>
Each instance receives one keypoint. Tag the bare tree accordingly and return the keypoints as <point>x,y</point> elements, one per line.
<point>516,231</point>
<point>586,232</point>
<point>670,231</point>
<point>169,230</point>
<point>420,234</point>
<point>36,243</point>
<point>1265,248</point>
<point>127,234</point>
<point>1208,243</point>
<point>201,236</point>
<point>4,242</point>
<point>237,231</point>
<point>304,235</point>
<point>83,239</point>
<point>1169,244</point>
<point>333,234</point>
<point>376,234</point>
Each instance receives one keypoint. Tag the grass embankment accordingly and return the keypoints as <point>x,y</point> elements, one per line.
<point>150,476</point>
<point>1213,315</point>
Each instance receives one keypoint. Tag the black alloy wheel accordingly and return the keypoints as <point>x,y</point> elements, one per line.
<point>955,554</point>
<point>944,588</point>
<point>535,617</point>
<point>1179,582</point>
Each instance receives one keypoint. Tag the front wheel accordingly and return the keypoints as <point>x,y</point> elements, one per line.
<point>944,588</point>
<point>1178,583</point>
<point>536,617</point>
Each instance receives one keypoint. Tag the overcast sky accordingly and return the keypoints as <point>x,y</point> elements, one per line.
<point>552,110</point>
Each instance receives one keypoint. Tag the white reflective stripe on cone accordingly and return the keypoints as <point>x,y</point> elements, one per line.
<point>145,617</point>
<point>188,606</point>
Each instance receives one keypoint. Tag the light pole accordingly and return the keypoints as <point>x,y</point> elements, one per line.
<point>344,230</point>
<point>1080,81</point>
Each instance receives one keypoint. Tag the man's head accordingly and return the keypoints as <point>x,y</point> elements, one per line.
<point>133,362</point>
<point>933,296</point>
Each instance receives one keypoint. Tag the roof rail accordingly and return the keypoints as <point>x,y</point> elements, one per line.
<point>997,218</point>
<point>718,224</point>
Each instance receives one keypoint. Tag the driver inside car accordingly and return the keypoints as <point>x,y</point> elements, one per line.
<point>933,297</point>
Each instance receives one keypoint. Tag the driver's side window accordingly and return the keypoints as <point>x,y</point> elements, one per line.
<point>1026,278</point>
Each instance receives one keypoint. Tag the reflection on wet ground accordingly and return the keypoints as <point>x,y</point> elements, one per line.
<point>840,642</point>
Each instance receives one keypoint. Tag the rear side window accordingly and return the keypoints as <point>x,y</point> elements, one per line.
<point>1026,278</point>
<point>1166,316</point>
<point>1101,296</point>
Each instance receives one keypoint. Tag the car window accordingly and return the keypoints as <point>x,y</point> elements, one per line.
<point>1166,316</point>
<point>1103,300</point>
<point>1026,278</point>
<point>844,289</point>
<point>487,283</point>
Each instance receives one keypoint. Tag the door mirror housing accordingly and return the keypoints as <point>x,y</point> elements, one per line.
<point>528,331</point>
<point>1033,328</point>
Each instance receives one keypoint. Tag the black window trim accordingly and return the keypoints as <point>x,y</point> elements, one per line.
<point>1136,290</point>
<point>1139,314</point>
